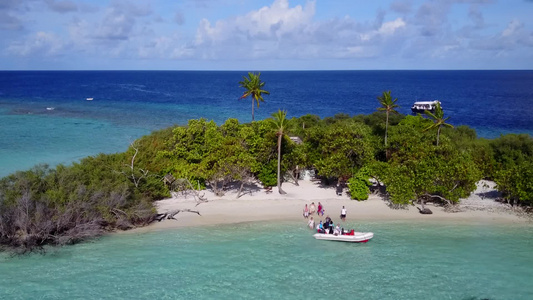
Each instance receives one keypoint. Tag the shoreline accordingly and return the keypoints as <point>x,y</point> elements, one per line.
<point>260,206</point>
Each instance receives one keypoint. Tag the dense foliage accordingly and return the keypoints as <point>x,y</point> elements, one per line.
<point>418,169</point>
<point>70,203</point>
<point>512,161</point>
<point>67,204</point>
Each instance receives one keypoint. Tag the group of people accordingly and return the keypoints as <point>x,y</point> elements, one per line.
<point>311,209</point>
<point>328,226</point>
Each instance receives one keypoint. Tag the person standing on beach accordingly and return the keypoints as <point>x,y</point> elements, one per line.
<point>343,214</point>
<point>320,209</point>
<point>306,212</point>
<point>312,208</point>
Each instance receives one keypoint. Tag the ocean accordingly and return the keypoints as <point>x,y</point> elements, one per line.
<point>415,260</point>
<point>45,117</point>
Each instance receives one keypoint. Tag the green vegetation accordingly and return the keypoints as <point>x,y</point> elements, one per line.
<point>359,184</point>
<point>417,169</point>
<point>106,192</point>
<point>512,162</point>
<point>68,204</point>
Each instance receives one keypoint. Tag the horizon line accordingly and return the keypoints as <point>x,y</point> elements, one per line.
<point>247,70</point>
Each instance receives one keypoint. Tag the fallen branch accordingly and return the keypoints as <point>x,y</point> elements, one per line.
<point>171,214</point>
<point>440,197</point>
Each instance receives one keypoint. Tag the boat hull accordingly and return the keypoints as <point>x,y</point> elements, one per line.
<point>421,111</point>
<point>358,237</point>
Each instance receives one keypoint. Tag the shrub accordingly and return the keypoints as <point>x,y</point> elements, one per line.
<point>359,184</point>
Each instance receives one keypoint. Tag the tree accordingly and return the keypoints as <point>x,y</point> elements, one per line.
<point>515,183</point>
<point>339,149</point>
<point>253,87</point>
<point>438,120</point>
<point>388,106</point>
<point>359,183</point>
<point>418,172</point>
<point>280,122</point>
<point>513,167</point>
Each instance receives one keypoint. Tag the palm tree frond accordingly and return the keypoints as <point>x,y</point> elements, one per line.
<point>438,120</point>
<point>253,87</point>
<point>430,114</point>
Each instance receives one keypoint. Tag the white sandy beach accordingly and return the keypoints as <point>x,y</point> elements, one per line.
<point>262,206</point>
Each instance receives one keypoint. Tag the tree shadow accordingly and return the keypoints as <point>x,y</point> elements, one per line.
<point>490,195</point>
<point>248,188</point>
<point>380,190</point>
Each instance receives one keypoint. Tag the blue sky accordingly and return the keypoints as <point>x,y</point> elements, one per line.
<point>265,35</point>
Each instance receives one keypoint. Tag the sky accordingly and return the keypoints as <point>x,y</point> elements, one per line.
<point>266,34</point>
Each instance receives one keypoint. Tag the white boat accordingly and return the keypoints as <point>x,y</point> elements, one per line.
<point>422,106</point>
<point>89,99</point>
<point>50,108</point>
<point>356,237</point>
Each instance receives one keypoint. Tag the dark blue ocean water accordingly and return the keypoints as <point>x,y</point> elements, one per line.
<point>128,104</point>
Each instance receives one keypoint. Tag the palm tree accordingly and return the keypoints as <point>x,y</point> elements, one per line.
<point>253,86</point>
<point>388,106</point>
<point>280,122</point>
<point>438,120</point>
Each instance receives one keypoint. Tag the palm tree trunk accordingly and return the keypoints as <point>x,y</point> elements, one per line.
<point>279,164</point>
<point>252,109</point>
<point>438,134</point>
<point>386,128</point>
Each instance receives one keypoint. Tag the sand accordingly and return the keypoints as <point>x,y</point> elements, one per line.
<point>260,205</point>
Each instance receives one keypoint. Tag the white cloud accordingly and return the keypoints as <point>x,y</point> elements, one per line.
<point>267,23</point>
<point>513,37</point>
<point>407,31</point>
<point>119,23</point>
<point>512,28</point>
<point>40,44</point>
<point>284,32</point>
<point>386,29</point>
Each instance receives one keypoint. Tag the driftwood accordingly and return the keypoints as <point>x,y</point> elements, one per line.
<point>181,185</point>
<point>425,211</point>
<point>171,214</point>
<point>184,185</point>
<point>294,174</point>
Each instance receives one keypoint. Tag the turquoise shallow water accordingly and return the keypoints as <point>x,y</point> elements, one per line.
<point>26,140</point>
<point>283,261</point>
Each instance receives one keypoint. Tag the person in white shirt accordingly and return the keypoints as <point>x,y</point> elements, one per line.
<point>337,230</point>
<point>311,223</point>
<point>343,214</point>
